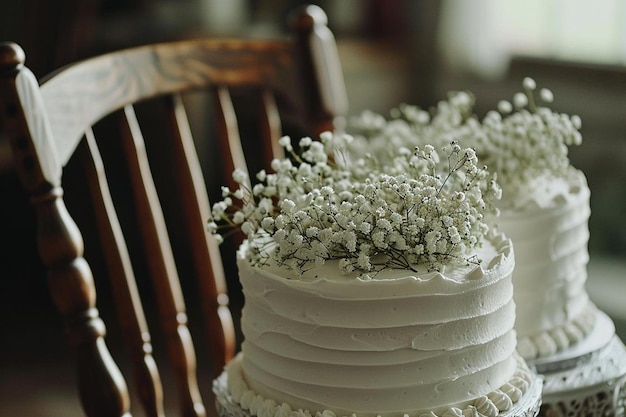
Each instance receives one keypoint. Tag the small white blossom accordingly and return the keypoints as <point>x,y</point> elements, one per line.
<point>240,176</point>
<point>248,228</point>
<point>285,142</point>
<point>364,262</point>
<point>505,107</point>
<point>520,100</point>
<point>212,227</point>
<point>305,142</point>
<point>403,208</point>
<point>378,239</point>
<point>219,209</point>
<point>238,217</point>
<point>461,99</point>
<point>239,194</point>
<point>365,227</point>
<point>546,95</point>
<point>384,224</point>
<point>519,142</point>
<point>529,83</point>
<point>267,224</point>
<point>288,206</point>
<point>280,222</point>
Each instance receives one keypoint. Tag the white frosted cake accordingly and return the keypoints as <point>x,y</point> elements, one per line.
<point>545,211</point>
<point>544,207</point>
<point>550,234</point>
<point>399,343</point>
<point>373,288</point>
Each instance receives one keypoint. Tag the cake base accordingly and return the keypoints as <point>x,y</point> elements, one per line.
<point>527,406</point>
<point>588,379</point>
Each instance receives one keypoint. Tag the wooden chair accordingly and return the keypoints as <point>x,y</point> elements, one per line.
<point>68,120</point>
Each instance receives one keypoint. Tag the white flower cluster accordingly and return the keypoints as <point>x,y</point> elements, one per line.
<point>523,141</point>
<point>321,203</point>
<point>520,141</point>
<point>409,126</point>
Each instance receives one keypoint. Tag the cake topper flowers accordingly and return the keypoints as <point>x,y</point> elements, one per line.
<point>323,203</point>
<point>522,141</point>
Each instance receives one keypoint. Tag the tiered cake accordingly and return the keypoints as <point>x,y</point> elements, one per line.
<point>374,289</point>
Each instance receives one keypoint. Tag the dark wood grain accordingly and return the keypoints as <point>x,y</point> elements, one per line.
<point>130,312</point>
<point>147,187</point>
<point>229,139</point>
<point>205,252</point>
<point>60,243</point>
<point>79,96</point>
<point>161,265</point>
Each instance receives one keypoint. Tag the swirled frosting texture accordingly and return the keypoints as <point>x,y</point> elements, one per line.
<point>396,343</point>
<point>550,236</point>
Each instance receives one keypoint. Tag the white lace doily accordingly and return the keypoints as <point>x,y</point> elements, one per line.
<point>588,379</point>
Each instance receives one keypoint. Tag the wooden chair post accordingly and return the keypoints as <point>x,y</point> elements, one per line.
<point>102,388</point>
<point>320,61</point>
<point>91,113</point>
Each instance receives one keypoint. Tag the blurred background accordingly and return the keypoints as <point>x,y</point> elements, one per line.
<point>391,51</point>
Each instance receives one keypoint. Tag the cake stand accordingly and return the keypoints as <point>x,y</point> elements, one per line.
<point>587,379</point>
<point>527,406</point>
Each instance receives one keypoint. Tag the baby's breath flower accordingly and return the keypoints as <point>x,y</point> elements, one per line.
<point>505,107</point>
<point>248,228</point>
<point>240,176</point>
<point>529,83</point>
<point>212,227</point>
<point>285,142</point>
<point>288,206</point>
<point>520,100</point>
<point>365,227</point>
<point>219,209</point>
<point>378,239</point>
<point>384,224</point>
<point>521,141</point>
<point>238,217</point>
<point>239,194</point>
<point>326,202</point>
<point>527,144</point>
<point>305,142</point>
<point>364,261</point>
<point>267,224</point>
<point>312,231</point>
<point>546,95</point>
<point>461,100</point>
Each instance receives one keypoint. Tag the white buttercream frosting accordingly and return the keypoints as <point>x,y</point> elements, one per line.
<point>550,236</point>
<point>490,405</point>
<point>392,344</point>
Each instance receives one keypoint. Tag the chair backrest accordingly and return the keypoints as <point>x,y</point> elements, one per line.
<point>90,110</point>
